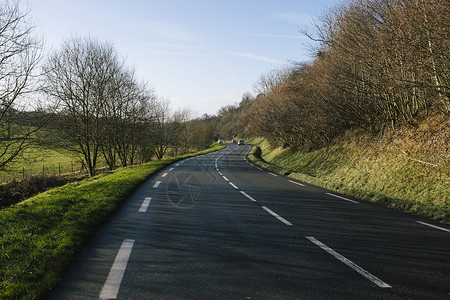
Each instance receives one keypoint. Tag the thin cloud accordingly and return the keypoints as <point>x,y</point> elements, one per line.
<point>256,57</point>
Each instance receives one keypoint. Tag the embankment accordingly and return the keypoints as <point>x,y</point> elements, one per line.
<point>406,169</point>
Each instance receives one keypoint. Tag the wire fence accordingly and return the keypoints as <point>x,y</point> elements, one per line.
<point>59,169</point>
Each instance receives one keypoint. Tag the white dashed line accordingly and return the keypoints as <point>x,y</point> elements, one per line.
<point>259,168</point>
<point>297,183</point>
<point>156,184</point>
<point>111,287</point>
<point>226,179</point>
<point>233,185</point>
<point>171,169</point>
<point>145,204</point>
<point>349,263</point>
<point>433,226</point>
<point>286,222</point>
<point>164,175</point>
<point>248,196</point>
<point>349,200</point>
<point>273,174</point>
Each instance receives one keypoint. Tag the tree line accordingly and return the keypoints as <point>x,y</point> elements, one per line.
<point>380,63</point>
<point>94,104</point>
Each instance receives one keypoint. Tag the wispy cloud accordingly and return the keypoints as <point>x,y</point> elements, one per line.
<point>293,18</point>
<point>256,57</point>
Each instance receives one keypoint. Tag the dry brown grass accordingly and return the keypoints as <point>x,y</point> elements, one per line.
<point>407,168</point>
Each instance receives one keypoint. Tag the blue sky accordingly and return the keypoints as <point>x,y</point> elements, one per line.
<point>200,54</point>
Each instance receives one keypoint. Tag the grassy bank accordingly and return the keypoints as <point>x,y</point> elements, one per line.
<point>403,170</point>
<point>40,236</point>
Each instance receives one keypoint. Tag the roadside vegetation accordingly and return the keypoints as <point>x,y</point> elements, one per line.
<point>402,170</point>
<point>41,236</point>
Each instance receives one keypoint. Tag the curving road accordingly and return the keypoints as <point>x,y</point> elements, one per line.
<point>218,227</point>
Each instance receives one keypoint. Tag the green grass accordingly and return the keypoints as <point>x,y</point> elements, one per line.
<point>376,173</point>
<point>36,160</point>
<point>41,236</point>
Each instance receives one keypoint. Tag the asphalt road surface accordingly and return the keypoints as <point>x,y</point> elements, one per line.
<point>218,227</point>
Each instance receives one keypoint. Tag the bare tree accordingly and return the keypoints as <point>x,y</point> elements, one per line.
<point>20,52</point>
<point>271,80</point>
<point>81,77</point>
<point>168,128</point>
<point>128,113</point>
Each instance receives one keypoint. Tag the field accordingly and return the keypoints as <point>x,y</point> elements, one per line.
<point>37,160</point>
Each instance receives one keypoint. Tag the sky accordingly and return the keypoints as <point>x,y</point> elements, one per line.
<point>198,54</point>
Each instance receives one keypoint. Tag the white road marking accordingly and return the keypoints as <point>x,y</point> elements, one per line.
<point>349,200</point>
<point>164,175</point>
<point>273,174</point>
<point>233,185</point>
<point>349,263</point>
<point>171,169</point>
<point>286,222</point>
<point>111,287</point>
<point>259,168</point>
<point>156,184</point>
<point>248,196</point>
<point>226,179</point>
<point>220,173</point>
<point>297,183</point>
<point>145,204</point>
<point>177,165</point>
<point>433,226</point>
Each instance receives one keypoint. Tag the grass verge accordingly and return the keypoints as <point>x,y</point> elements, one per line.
<point>377,172</point>
<point>41,236</point>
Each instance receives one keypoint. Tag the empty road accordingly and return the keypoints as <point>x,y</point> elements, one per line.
<point>218,227</point>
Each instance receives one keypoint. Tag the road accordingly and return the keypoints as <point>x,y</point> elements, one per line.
<point>218,227</point>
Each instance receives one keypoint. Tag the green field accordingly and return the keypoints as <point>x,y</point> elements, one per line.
<point>37,160</point>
